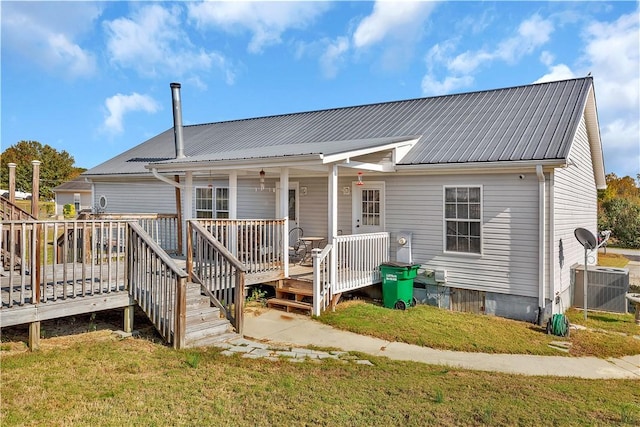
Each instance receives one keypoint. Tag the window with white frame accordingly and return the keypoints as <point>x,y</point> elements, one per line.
<point>462,218</point>
<point>204,202</point>
<point>222,202</point>
<point>76,201</point>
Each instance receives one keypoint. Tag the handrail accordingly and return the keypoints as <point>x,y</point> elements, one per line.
<point>220,273</point>
<point>158,285</point>
<point>12,212</point>
<point>322,293</point>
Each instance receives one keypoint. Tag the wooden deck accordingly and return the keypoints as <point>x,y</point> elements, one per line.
<point>70,289</point>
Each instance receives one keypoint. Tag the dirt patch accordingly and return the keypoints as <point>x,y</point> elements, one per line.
<point>66,331</point>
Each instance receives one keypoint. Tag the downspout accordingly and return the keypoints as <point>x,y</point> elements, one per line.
<point>541,244</point>
<point>163,178</point>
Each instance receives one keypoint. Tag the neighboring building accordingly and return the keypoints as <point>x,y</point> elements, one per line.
<point>76,192</point>
<point>490,185</point>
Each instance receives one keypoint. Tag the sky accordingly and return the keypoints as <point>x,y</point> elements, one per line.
<point>92,78</point>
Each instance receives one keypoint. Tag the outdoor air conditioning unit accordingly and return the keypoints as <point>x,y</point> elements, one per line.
<point>606,288</point>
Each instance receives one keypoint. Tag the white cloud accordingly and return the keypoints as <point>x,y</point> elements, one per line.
<point>392,19</point>
<point>46,33</point>
<point>532,33</point>
<point>119,105</point>
<point>333,55</point>
<point>267,21</point>
<point>153,42</point>
<point>431,86</point>
<point>557,72</point>
<point>612,54</point>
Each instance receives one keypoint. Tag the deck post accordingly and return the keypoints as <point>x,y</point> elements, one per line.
<point>12,182</point>
<point>189,250</point>
<point>181,314</point>
<point>176,178</point>
<point>34,336</point>
<point>239,303</point>
<point>128,318</point>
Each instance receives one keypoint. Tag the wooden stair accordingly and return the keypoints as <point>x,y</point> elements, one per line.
<point>293,294</point>
<point>205,326</point>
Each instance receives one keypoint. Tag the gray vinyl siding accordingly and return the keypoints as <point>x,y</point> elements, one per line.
<point>64,198</point>
<point>575,205</point>
<point>136,196</point>
<point>509,259</point>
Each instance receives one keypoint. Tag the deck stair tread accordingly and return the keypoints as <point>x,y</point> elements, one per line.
<point>288,304</point>
<point>204,325</point>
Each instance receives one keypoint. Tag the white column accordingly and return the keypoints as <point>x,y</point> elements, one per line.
<point>284,211</point>
<point>332,202</point>
<point>233,195</point>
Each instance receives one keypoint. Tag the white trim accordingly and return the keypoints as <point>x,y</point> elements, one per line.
<point>479,221</point>
<point>356,204</point>
<point>293,185</point>
<point>541,239</point>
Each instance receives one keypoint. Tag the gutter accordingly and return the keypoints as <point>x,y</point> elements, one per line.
<point>541,243</point>
<point>163,178</point>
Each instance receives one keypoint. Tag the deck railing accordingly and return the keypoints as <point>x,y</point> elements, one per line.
<point>217,270</point>
<point>11,212</point>
<point>89,261</point>
<point>322,292</point>
<point>158,285</point>
<point>257,243</point>
<point>358,258</point>
<point>163,228</point>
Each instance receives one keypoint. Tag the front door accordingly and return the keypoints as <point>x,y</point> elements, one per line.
<point>368,207</point>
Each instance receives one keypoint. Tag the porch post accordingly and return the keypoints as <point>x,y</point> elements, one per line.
<point>188,205</point>
<point>284,210</point>
<point>233,195</point>
<point>333,229</point>
<point>12,182</point>
<point>333,202</point>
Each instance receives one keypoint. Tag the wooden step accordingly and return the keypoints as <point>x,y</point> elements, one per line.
<point>288,304</point>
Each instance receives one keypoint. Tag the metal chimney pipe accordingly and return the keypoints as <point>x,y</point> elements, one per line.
<point>177,120</point>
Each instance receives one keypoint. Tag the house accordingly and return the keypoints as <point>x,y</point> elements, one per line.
<point>483,189</point>
<point>76,192</point>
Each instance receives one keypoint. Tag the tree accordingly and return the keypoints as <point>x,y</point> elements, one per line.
<point>619,210</point>
<point>57,167</point>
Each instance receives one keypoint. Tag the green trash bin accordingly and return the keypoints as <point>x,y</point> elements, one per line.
<point>397,284</point>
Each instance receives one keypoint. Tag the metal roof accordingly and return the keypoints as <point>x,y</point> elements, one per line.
<point>524,123</point>
<point>77,184</point>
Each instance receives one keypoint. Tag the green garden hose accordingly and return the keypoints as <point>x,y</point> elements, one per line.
<point>559,325</point>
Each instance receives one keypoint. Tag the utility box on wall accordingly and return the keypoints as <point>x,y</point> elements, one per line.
<point>606,288</point>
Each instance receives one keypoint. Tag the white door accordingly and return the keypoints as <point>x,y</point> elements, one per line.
<point>368,207</point>
<point>294,205</point>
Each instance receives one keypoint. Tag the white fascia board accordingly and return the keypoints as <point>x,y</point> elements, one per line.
<point>338,157</point>
<point>222,165</point>
<point>376,167</point>
<point>595,143</point>
<point>473,167</point>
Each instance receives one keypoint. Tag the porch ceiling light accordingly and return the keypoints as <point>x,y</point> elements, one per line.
<point>262,174</point>
<point>360,179</point>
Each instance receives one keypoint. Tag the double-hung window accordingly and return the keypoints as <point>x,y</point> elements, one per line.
<point>222,202</point>
<point>212,203</point>
<point>463,219</point>
<point>204,202</point>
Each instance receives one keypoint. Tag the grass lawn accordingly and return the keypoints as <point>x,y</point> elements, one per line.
<point>96,379</point>
<point>612,260</point>
<point>610,335</point>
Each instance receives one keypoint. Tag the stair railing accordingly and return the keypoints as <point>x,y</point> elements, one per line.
<point>322,279</point>
<point>218,271</point>
<point>158,285</point>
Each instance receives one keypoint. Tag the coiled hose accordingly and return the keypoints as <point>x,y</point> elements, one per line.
<point>558,325</point>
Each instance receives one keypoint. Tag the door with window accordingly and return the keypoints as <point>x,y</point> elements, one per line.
<point>368,207</point>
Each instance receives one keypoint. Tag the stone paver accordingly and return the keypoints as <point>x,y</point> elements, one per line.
<point>256,350</point>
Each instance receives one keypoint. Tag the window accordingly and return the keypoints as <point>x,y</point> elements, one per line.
<point>462,217</point>
<point>76,201</point>
<point>204,202</point>
<point>371,207</point>
<point>222,202</point>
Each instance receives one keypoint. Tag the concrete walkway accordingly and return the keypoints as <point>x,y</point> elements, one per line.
<point>279,328</point>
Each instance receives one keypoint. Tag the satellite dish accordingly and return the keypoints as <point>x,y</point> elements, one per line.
<point>586,238</point>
